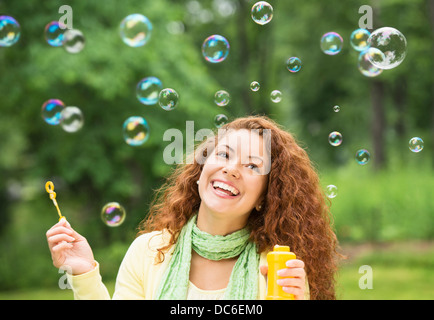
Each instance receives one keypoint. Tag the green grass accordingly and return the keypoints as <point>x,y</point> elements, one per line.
<point>401,271</point>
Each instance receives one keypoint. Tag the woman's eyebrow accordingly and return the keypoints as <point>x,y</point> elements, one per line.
<point>255,157</point>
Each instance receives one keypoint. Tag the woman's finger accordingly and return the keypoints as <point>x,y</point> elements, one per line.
<point>291,282</point>
<point>292,272</point>
<point>55,239</point>
<point>58,230</point>
<point>295,263</point>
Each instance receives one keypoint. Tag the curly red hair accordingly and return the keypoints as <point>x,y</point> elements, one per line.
<point>294,212</point>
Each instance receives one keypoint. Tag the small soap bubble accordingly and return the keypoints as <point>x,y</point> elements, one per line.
<point>415,144</point>
<point>54,33</point>
<point>135,30</point>
<point>293,64</point>
<point>254,86</point>
<point>215,48</point>
<point>74,41</point>
<point>10,31</point>
<point>392,43</point>
<point>262,12</point>
<point>335,138</point>
<point>276,96</point>
<point>222,98</point>
<point>220,120</point>
<point>336,108</point>
<point>331,191</point>
<point>135,131</point>
<point>52,111</point>
<point>331,43</point>
<point>71,119</point>
<point>359,39</point>
<point>365,66</point>
<point>168,99</point>
<point>148,90</point>
<point>113,214</point>
<point>363,156</point>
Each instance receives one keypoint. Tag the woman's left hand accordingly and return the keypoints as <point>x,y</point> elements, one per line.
<point>296,284</point>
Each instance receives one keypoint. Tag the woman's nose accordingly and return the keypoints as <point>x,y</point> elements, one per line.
<point>232,171</point>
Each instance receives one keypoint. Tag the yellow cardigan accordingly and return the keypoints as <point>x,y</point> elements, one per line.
<point>138,275</point>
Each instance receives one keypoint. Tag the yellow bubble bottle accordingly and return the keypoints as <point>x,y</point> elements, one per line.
<point>276,260</point>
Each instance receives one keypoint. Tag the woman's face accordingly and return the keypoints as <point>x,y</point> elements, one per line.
<point>234,176</point>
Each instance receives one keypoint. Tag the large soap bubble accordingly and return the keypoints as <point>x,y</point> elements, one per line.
<point>148,90</point>
<point>215,48</point>
<point>392,43</point>
<point>10,31</point>
<point>331,43</point>
<point>135,30</point>
<point>262,12</point>
<point>113,214</point>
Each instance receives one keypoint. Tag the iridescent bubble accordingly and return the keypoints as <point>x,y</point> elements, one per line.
<point>222,98</point>
<point>331,191</point>
<point>148,90</point>
<point>52,110</point>
<point>392,43</point>
<point>359,39</point>
<point>276,96</point>
<point>262,12</point>
<point>73,41</point>
<point>220,120</point>
<point>254,86</point>
<point>415,144</point>
<point>365,65</point>
<point>336,108</point>
<point>215,48</point>
<point>335,138</point>
<point>293,64</point>
<point>168,99</point>
<point>54,33</point>
<point>113,214</point>
<point>331,43</point>
<point>135,131</point>
<point>363,156</point>
<point>135,30</point>
<point>71,119</point>
<point>10,31</point>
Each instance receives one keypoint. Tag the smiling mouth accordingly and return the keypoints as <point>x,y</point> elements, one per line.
<point>225,189</point>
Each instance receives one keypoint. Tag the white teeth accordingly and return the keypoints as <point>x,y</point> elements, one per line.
<point>221,185</point>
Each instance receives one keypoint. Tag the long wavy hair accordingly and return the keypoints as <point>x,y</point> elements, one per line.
<point>295,211</point>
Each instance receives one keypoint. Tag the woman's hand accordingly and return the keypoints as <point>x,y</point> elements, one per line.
<point>296,284</point>
<point>69,249</point>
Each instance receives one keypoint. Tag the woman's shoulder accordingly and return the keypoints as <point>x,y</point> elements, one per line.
<point>150,242</point>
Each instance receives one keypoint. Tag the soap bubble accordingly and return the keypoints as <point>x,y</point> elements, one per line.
<point>135,131</point>
<point>215,48</point>
<point>222,98</point>
<point>365,65</point>
<point>10,31</point>
<point>220,120</point>
<point>73,41</point>
<point>148,90</point>
<point>335,138</point>
<point>415,144</point>
<point>71,119</point>
<point>363,156</point>
<point>54,33</point>
<point>391,43</point>
<point>293,64</point>
<point>262,12</point>
<point>359,39</point>
<point>331,43</point>
<point>168,99</point>
<point>254,86</point>
<point>336,108</point>
<point>331,191</point>
<point>135,30</point>
<point>276,96</point>
<point>113,214</point>
<point>51,111</point>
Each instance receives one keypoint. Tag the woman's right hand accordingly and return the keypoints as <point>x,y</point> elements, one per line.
<point>69,249</point>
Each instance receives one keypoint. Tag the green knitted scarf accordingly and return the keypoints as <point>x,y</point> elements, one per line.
<point>243,282</point>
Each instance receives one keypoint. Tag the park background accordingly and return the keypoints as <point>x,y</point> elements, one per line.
<point>384,211</point>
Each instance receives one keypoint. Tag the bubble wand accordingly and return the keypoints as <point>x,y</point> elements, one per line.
<point>49,187</point>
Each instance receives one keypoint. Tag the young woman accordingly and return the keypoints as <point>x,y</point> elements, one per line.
<point>211,225</point>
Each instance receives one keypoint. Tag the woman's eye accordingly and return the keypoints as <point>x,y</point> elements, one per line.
<point>222,154</point>
<point>253,167</point>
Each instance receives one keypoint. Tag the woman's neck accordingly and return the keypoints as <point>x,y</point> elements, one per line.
<point>219,224</point>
